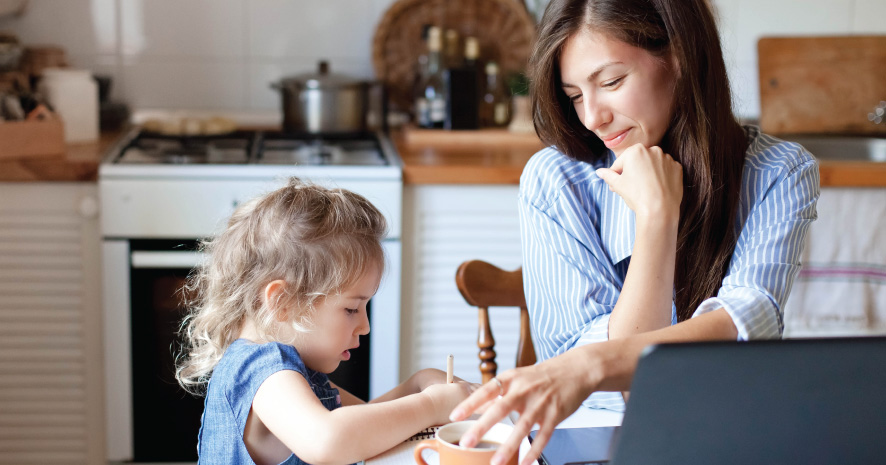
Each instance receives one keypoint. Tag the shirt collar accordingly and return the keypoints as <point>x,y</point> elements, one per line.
<point>618,232</point>
<point>617,227</point>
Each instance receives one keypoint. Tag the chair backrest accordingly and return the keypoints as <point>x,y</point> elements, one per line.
<point>484,285</point>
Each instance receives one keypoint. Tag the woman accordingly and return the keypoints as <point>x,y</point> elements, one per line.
<point>653,217</point>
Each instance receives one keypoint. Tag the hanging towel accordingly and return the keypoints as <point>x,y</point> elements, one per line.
<point>841,288</point>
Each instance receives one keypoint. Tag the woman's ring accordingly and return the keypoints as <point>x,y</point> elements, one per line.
<point>501,390</point>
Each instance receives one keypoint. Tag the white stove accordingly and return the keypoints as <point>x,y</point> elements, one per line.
<point>160,194</point>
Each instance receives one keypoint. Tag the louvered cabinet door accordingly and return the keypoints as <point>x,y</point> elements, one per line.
<point>50,325</point>
<point>443,226</point>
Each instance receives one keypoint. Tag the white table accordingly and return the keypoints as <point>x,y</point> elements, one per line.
<point>585,417</point>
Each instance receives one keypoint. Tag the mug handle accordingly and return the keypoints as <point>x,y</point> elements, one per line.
<point>426,444</point>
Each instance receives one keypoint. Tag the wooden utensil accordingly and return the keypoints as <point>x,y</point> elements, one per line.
<point>821,84</point>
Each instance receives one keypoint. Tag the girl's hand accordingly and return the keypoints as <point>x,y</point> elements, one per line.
<point>649,180</point>
<point>543,394</point>
<point>446,396</point>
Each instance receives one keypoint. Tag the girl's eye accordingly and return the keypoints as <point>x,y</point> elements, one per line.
<point>613,82</point>
<point>575,98</point>
<point>352,311</point>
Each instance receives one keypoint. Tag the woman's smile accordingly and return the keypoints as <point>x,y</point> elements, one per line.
<point>614,140</point>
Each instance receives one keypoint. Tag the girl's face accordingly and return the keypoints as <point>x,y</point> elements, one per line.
<point>339,321</point>
<point>621,93</point>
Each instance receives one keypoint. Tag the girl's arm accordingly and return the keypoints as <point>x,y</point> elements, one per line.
<point>287,406</point>
<point>346,397</point>
<point>418,382</point>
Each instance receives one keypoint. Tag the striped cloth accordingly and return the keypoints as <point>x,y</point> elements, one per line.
<point>841,289</point>
<point>578,235</point>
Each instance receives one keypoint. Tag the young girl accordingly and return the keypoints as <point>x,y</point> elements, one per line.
<point>280,302</point>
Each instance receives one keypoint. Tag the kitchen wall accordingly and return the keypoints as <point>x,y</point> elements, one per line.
<point>222,54</point>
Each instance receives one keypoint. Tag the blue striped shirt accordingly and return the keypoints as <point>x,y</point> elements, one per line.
<point>578,235</point>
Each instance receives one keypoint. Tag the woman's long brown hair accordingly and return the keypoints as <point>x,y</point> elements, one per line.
<point>703,136</point>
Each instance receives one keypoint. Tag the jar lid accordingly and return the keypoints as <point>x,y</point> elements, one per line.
<point>66,73</point>
<point>322,79</point>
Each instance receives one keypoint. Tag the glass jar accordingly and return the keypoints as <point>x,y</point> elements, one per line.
<point>73,94</point>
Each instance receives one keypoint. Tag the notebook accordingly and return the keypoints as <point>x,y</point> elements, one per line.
<point>762,402</point>
<point>402,454</point>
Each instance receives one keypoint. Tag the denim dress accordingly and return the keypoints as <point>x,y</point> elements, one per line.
<point>234,382</point>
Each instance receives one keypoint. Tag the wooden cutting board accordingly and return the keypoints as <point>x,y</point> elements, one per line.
<point>821,84</point>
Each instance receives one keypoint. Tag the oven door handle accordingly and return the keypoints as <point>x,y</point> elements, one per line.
<point>144,259</point>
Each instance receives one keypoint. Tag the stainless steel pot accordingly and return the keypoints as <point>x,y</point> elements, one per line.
<point>324,102</point>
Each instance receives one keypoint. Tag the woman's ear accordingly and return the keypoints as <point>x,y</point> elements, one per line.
<point>675,64</point>
<point>274,293</point>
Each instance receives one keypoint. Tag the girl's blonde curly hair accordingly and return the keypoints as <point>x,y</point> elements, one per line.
<point>317,240</point>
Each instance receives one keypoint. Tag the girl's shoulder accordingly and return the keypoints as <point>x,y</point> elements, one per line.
<point>247,362</point>
<point>766,153</point>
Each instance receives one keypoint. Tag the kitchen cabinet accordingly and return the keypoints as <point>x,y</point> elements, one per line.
<point>444,225</point>
<point>51,373</point>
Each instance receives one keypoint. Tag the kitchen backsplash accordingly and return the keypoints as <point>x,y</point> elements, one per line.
<point>223,54</point>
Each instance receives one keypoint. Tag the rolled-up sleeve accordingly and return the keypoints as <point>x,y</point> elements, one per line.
<point>767,254</point>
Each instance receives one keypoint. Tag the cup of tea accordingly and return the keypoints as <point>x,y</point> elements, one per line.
<point>445,443</point>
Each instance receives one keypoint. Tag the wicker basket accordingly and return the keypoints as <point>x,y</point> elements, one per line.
<point>503,27</point>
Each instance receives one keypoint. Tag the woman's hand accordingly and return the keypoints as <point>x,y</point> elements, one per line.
<point>649,180</point>
<point>543,394</point>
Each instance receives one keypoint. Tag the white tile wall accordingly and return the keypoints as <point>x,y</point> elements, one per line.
<point>197,84</point>
<point>176,29</point>
<point>222,54</point>
<point>869,17</point>
<point>298,28</point>
<point>80,26</point>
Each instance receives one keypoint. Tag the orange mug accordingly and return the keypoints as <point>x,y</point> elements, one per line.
<point>445,443</point>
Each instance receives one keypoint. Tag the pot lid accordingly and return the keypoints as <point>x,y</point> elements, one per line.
<point>322,79</point>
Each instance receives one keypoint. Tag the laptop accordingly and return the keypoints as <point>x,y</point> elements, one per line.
<point>809,401</point>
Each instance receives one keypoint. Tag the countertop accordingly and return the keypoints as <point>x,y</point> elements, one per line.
<point>78,164</point>
<point>489,156</point>
<point>498,157</point>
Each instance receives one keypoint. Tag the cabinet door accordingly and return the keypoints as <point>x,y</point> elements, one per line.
<point>50,343</point>
<point>443,227</point>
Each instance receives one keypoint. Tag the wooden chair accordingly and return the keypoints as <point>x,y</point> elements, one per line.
<point>484,285</point>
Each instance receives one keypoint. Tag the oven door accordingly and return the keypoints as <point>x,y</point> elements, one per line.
<point>150,417</point>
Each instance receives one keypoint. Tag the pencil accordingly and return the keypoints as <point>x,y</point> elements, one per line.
<point>449,368</point>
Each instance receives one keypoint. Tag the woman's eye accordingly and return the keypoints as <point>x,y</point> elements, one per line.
<point>613,82</point>
<point>352,311</point>
<point>575,98</point>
